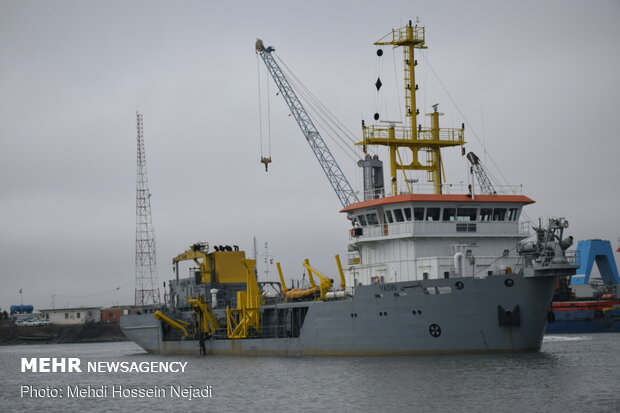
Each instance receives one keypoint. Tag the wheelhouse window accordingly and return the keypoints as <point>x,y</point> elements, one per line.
<point>449,214</point>
<point>418,214</point>
<point>499,214</point>
<point>407,213</point>
<point>362,220</point>
<point>432,214</point>
<point>372,219</point>
<point>398,214</point>
<point>513,214</point>
<point>466,214</point>
<point>486,214</point>
<point>388,216</point>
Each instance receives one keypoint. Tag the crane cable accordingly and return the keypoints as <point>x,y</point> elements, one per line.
<point>465,119</point>
<point>495,180</point>
<point>319,108</point>
<point>266,160</point>
<point>346,148</point>
<point>260,113</point>
<point>323,113</point>
<point>268,120</point>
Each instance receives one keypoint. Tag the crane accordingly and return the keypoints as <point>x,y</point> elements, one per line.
<point>332,170</point>
<point>483,179</point>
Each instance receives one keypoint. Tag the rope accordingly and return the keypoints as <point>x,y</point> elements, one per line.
<point>491,176</point>
<point>465,118</point>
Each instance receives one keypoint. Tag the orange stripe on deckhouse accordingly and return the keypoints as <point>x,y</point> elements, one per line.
<point>519,199</point>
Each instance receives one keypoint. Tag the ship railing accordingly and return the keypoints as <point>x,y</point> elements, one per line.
<point>457,228</point>
<point>573,257</point>
<point>524,228</point>
<point>476,266</point>
<point>532,259</point>
<point>395,133</point>
<point>400,35</point>
<point>447,189</point>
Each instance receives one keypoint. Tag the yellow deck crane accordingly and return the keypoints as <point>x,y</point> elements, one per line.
<point>325,286</point>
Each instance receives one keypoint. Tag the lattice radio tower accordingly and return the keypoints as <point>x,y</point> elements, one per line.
<point>147,291</point>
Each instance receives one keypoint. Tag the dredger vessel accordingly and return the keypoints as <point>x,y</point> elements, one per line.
<point>431,272</point>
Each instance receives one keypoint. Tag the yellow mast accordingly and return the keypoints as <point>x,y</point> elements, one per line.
<point>412,135</point>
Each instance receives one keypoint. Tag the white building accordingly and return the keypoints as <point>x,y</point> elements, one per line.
<point>68,316</point>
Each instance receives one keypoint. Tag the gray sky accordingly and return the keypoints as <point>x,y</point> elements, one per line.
<point>542,75</point>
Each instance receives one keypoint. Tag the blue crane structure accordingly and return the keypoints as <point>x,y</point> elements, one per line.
<point>332,170</point>
<point>599,251</point>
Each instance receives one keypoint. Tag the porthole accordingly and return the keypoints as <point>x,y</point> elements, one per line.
<point>459,285</point>
<point>509,282</point>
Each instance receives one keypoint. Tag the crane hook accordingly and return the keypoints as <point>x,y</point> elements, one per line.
<point>266,161</point>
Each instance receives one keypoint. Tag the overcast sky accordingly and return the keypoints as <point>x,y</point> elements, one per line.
<point>537,82</point>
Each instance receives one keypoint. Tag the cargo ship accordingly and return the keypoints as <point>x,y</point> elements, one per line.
<point>429,269</point>
<point>584,304</point>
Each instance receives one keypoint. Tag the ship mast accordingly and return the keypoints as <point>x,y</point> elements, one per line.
<point>413,135</point>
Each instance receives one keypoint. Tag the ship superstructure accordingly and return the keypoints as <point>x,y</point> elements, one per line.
<point>426,272</point>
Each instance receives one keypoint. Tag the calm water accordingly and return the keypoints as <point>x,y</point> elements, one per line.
<point>571,374</point>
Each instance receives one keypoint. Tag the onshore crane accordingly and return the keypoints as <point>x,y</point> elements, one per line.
<point>332,170</point>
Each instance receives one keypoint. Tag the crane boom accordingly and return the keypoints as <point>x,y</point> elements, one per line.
<point>332,170</point>
<point>483,179</point>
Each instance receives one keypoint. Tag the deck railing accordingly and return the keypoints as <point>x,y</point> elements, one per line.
<point>437,228</point>
<point>448,189</point>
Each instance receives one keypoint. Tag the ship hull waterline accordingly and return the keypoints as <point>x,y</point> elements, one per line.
<point>456,315</point>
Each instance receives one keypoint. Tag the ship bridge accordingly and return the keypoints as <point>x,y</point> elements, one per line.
<point>429,236</point>
<point>408,232</point>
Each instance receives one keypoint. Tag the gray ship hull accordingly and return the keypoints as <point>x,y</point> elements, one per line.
<point>500,313</point>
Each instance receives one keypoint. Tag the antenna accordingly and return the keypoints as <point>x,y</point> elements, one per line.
<point>147,292</point>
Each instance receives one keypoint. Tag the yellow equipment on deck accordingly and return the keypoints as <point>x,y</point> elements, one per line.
<point>326,282</point>
<point>295,293</point>
<point>215,267</point>
<point>207,321</point>
<point>325,286</point>
<point>247,314</point>
<point>178,324</point>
